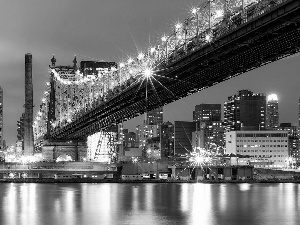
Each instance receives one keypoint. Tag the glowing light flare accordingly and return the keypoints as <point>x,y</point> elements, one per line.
<point>194,10</point>
<point>219,13</point>
<point>147,72</point>
<point>152,50</point>
<point>141,56</point>
<point>164,39</point>
<point>130,60</point>
<point>208,37</point>
<point>200,157</point>
<point>178,26</point>
<point>122,65</point>
<point>179,37</point>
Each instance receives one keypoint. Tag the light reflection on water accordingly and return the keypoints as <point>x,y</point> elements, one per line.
<point>72,204</point>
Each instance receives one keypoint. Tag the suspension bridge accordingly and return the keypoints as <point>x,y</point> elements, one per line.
<point>218,40</point>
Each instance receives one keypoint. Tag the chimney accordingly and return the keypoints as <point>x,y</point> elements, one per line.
<point>28,120</point>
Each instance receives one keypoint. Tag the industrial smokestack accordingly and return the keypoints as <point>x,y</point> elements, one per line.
<point>28,129</point>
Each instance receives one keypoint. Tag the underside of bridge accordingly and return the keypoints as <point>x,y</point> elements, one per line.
<point>271,36</point>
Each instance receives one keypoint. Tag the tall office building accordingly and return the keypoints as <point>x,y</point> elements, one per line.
<point>210,131</point>
<point>167,140</point>
<point>245,111</point>
<point>293,142</point>
<point>150,128</point>
<point>209,135</point>
<point>1,119</point>
<point>272,120</point>
<point>207,112</point>
<point>183,137</point>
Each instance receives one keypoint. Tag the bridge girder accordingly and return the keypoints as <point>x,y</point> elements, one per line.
<point>270,37</point>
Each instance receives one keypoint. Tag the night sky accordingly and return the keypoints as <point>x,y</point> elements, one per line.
<point>111,30</point>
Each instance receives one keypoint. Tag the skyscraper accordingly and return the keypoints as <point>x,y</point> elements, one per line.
<point>210,131</point>
<point>1,119</point>
<point>272,120</point>
<point>207,112</point>
<point>245,111</point>
<point>167,140</point>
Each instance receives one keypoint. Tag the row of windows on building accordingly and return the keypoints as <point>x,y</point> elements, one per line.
<point>261,146</point>
<point>240,151</point>
<point>262,135</point>
<point>269,156</point>
<point>261,140</point>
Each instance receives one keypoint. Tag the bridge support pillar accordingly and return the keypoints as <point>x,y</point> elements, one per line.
<point>74,150</point>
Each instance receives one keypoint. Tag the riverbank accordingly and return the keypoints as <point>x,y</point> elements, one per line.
<point>87,180</point>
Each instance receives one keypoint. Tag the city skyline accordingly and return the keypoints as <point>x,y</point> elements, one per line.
<point>109,31</point>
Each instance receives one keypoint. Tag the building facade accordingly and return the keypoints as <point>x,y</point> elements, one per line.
<point>20,132</point>
<point>155,117</point>
<point>272,120</point>
<point>183,137</point>
<point>293,143</point>
<point>167,140</point>
<point>207,112</point>
<point>145,132</point>
<point>210,136</point>
<point>262,148</point>
<point>245,111</point>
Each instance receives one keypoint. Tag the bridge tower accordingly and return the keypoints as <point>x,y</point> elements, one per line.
<point>51,111</point>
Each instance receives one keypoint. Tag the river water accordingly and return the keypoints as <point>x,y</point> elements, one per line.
<point>149,203</point>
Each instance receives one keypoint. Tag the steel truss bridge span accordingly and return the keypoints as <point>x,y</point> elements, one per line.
<point>274,33</point>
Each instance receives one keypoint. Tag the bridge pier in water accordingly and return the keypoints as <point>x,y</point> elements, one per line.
<point>53,149</point>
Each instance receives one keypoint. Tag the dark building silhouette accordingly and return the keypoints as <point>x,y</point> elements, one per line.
<point>245,111</point>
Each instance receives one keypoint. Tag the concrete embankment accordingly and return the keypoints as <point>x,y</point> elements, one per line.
<point>87,180</point>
